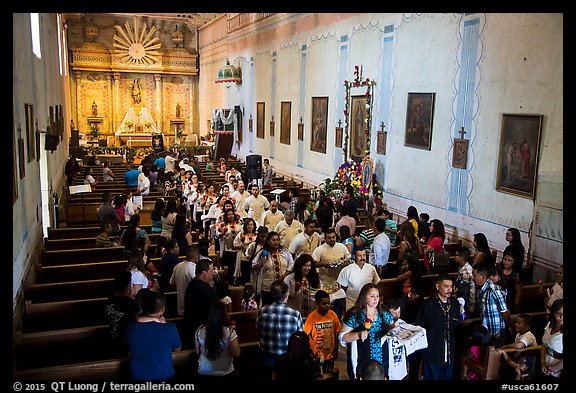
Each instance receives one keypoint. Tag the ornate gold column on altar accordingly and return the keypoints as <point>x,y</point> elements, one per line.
<point>159,109</point>
<point>111,122</point>
<point>194,108</point>
<point>78,76</point>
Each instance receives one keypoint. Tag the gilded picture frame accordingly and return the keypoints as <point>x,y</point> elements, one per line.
<point>338,137</point>
<point>460,153</point>
<point>381,142</point>
<point>517,168</point>
<point>367,171</point>
<point>358,140</point>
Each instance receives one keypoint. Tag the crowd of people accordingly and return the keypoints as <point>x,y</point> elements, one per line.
<point>313,281</point>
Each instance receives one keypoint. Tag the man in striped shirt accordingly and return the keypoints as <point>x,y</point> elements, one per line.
<point>276,323</point>
<point>491,304</point>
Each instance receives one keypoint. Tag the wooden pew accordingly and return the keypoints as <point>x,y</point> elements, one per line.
<point>87,231</point>
<point>92,343</point>
<point>85,242</point>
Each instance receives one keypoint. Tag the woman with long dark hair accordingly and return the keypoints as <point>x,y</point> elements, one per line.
<point>552,353</point>
<point>241,243</point>
<point>483,251</point>
<point>325,212</point>
<point>216,344</point>
<point>409,254</point>
<point>297,364</point>
<point>274,263</point>
<point>435,241</point>
<point>156,215</point>
<point>303,283</point>
<point>181,233</point>
<point>226,232</point>
<point>169,218</point>
<point>413,218</point>
<point>363,326</point>
<point>515,248</point>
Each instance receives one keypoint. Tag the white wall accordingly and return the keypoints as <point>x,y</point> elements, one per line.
<point>480,66</point>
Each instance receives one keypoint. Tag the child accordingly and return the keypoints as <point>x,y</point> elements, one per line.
<point>209,165</point>
<point>495,277</point>
<point>248,302</point>
<point>479,339</point>
<point>322,326</point>
<point>223,292</point>
<point>525,369</point>
<point>524,337</point>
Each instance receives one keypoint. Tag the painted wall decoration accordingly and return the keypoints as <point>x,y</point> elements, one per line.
<point>419,120</point>
<point>319,124</point>
<point>285,122</point>
<point>460,153</point>
<point>260,112</point>
<point>518,155</point>
<point>381,142</point>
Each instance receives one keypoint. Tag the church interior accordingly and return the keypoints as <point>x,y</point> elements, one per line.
<point>457,114</point>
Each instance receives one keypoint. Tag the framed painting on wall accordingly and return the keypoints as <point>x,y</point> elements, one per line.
<point>358,140</point>
<point>272,124</point>
<point>381,142</point>
<point>285,122</point>
<point>518,156</point>
<point>260,112</point>
<point>338,142</point>
<point>319,124</point>
<point>460,153</point>
<point>301,130</point>
<point>30,134</point>
<point>14,165</point>
<point>419,120</point>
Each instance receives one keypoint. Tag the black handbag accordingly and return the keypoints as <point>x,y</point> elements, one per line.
<point>439,258</point>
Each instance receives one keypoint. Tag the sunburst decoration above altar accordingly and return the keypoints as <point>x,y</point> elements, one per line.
<point>135,45</point>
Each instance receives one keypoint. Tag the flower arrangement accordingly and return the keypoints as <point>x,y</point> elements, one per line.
<point>94,132</point>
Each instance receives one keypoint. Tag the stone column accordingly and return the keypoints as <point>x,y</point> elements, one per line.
<point>158,105</point>
<point>193,117</point>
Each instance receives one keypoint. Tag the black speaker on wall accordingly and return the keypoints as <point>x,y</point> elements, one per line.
<point>254,166</point>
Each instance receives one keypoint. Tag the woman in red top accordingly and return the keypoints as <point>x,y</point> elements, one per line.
<point>435,241</point>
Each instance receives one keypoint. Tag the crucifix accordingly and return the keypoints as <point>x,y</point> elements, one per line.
<point>462,132</point>
<point>340,123</point>
<point>382,126</point>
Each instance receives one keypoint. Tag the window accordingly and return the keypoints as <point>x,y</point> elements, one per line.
<point>35,29</point>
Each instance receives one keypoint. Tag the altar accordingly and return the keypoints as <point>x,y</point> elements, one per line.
<point>135,140</point>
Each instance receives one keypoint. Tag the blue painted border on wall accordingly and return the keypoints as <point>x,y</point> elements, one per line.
<point>340,97</point>
<point>253,105</point>
<point>272,106</point>
<point>464,116</point>
<point>384,106</point>
<point>302,106</point>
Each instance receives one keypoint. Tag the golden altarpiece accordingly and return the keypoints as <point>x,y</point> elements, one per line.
<point>137,87</point>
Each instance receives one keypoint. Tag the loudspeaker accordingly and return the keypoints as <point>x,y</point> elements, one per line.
<point>254,166</point>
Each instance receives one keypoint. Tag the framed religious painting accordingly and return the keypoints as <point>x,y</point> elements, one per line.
<point>272,126</point>
<point>319,124</point>
<point>338,141</point>
<point>14,165</point>
<point>301,130</point>
<point>419,120</point>
<point>285,122</point>
<point>381,142</point>
<point>358,140</point>
<point>30,134</point>
<point>260,112</point>
<point>518,155</point>
<point>367,171</point>
<point>460,153</point>
<point>250,121</point>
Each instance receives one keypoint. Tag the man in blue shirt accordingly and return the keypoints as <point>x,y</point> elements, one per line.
<point>276,323</point>
<point>131,177</point>
<point>160,162</point>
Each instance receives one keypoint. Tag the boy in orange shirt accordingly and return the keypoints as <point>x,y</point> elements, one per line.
<point>322,326</point>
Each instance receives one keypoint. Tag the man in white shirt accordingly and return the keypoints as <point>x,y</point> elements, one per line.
<point>183,273</point>
<point>255,204</point>
<point>270,218</point>
<point>305,242</point>
<point>288,228</point>
<point>144,182</point>
<point>169,162</point>
<point>354,276</point>
<point>240,196</point>
<point>380,250</point>
<point>330,259</point>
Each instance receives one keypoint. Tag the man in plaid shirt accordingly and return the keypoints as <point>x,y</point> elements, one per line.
<point>276,323</point>
<point>491,304</point>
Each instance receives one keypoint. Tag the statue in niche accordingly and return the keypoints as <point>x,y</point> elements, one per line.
<point>178,111</point>
<point>136,90</point>
<point>94,109</point>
